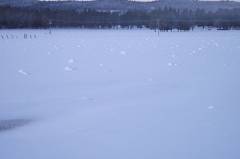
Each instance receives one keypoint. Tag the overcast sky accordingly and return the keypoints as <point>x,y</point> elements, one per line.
<point>134,0</point>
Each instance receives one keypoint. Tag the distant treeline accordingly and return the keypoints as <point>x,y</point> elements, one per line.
<point>163,19</point>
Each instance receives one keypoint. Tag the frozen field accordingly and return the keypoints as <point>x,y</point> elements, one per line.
<point>119,94</point>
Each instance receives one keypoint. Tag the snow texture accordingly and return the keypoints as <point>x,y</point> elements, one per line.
<point>119,94</point>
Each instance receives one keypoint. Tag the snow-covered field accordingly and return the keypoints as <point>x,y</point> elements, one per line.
<point>119,94</point>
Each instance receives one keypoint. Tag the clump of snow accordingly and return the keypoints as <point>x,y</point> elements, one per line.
<point>170,64</point>
<point>123,53</point>
<point>71,61</point>
<point>21,71</point>
<point>211,107</point>
<point>69,68</point>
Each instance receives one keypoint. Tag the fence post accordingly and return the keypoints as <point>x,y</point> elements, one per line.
<point>50,25</point>
<point>158,27</point>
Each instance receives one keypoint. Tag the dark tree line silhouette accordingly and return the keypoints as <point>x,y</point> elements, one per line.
<point>163,19</point>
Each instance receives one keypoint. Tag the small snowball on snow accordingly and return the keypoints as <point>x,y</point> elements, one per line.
<point>70,61</point>
<point>192,52</point>
<point>170,64</point>
<point>23,72</point>
<point>67,68</point>
<point>211,107</point>
<point>101,65</point>
<point>123,53</point>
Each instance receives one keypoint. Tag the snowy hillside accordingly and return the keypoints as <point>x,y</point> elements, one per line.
<point>119,94</point>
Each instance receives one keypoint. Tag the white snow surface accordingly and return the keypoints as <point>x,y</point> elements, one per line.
<point>172,96</point>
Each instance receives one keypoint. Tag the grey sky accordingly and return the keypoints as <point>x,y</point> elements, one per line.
<point>136,0</point>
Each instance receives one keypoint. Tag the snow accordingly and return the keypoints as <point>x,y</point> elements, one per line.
<point>123,53</point>
<point>68,68</point>
<point>170,96</point>
<point>211,107</point>
<point>23,72</point>
<point>71,61</point>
